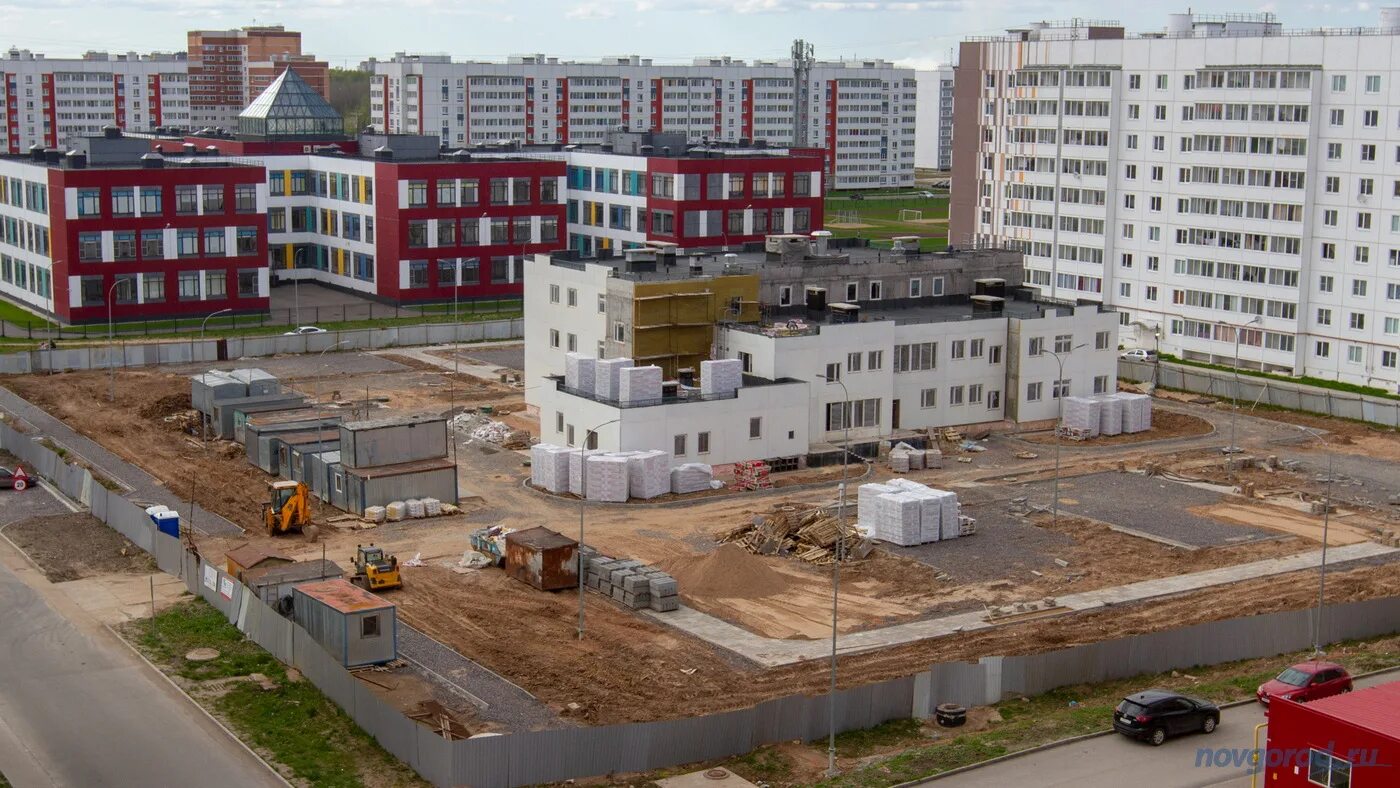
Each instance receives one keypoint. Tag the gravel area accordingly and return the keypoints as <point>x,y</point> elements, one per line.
<point>507,705</point>
<point>290,368</point>
<point>1151,505</point>
<point>509,356</point>
<point>1003,544</point>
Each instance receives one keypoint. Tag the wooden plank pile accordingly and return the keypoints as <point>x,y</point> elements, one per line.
<point>812,535</point>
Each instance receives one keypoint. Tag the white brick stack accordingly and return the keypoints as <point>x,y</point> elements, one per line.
<point>639,384</point>
<point>648,474</point>
<point>907,513</point>
<point>549,467</point>
<point>576,459</point>
<point>691,477</point>
<point>580,371</point>
<point>722,376</point>
<point>606,383</point>
<point>952,513</point>
<point>607,478</point>
<point>930,515</point>
<point>1110,415</point>
<point>866,507</point>
<point>900,518</point>
<point>1082,413</point>
<point>1137,412</point>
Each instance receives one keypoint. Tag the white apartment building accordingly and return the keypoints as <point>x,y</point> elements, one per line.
<point>49,100</point>
<point>933,143</point>
<point>1224,174</point>
<point>860,113</point>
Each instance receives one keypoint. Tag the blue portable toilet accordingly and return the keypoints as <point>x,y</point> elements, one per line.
<point>167,521</point>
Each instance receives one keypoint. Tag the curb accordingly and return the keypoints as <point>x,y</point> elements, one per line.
<point>232,736</point>
<point>1076,739</point>
<point>730,494</point>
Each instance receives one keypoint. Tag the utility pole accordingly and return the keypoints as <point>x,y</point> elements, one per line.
<point>803,55</point>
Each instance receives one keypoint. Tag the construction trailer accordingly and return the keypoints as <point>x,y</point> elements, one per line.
<point>383,484</point>
<point>248,557</point>
<point>227,410</point>
<point>288,444</point>
<point>258,382</point>
<point>542,558</point>
<point>260,430</point>
<point>379,442</point>
<point>274,584</point>
<point>213,385</point>
<point>317,469</point>
<point>357,628</point>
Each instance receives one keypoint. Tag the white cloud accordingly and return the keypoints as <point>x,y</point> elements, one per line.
<point>591,11</point>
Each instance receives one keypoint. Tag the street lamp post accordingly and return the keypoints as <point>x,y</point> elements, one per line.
<point>296,285</point>
<point>1059,427</point>
<point>456,364</point>
<point>582,500</point>
<point>204,417</point>
<point>321,366</point>
<point>836,572</point>
<point>1326,520</point>
<point>111,363</point>
<point>1234,448</point>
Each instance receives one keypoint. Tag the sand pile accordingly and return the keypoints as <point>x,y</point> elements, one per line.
<point>730,571</point>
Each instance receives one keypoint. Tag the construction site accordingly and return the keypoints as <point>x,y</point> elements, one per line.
<point>728,591</point>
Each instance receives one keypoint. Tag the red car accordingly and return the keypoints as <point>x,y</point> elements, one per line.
<point>1306,681</point>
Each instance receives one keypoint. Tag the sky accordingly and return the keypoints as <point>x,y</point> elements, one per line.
<point>917,33</point>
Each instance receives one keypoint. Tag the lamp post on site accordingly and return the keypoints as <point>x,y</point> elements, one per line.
<point>1059,427</point>
<point>111,362</point>
<point>847,405</point>
<point>1326,520</point>
<point>1234,448</point>
<point>204,417</point>
<point>582,501</point>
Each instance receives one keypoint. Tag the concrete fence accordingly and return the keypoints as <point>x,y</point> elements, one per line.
<point>214,350</point>
<point>533,757</point>
<point>1279,393</point>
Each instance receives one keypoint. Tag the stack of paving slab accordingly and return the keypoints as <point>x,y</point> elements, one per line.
<point>639,384</point>
<point>607,478</point>
<point>580,371</point>
<point>576,459</point>
<point>1082,413</point>
<point>549,467</point>
<point>907,513</point>
<point>1110,415</point>
<point>607,383</point>
<point>1137,412</point>
<point>632,583</point>
<point>648,474</point>
<point>721,376</point>
<point>905,458</point>
<point>691,477</point>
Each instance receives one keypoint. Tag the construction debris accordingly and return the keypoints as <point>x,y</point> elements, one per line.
<point>813,535</point>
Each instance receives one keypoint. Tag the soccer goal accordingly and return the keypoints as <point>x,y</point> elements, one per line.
<point>848,217</point>
<point>910,215</point>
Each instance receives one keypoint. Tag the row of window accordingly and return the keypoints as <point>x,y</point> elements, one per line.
<point>20,193</point>
<point>467,232</point>
<point>28,236</point>
<point>464,272</point>
<point>466,192</point>
<point>93,290</point>
<point>335,185</point>
<point>150,244</point>
<point>189,201</point>
<point>26,276</point>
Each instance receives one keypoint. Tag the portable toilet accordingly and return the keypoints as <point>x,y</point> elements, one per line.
<point>166,520</point>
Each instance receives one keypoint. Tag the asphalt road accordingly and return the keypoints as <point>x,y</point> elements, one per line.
<point>77,708</point>
<point>1116,761</point>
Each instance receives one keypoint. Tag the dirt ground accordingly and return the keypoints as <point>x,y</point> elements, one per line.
<point>1165,424</point>
<point>77,545</point>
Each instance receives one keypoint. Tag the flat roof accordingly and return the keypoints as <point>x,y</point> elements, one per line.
<point>248,555</point>
<point>752,259</point>
<point>540,538</point>
<point>1372,709</point>
<point>402,468</point>
<point>396,421</point>
<point>343,596</point>
<point>276,574</point>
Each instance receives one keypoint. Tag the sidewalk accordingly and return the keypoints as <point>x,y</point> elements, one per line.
<point>144,487</point>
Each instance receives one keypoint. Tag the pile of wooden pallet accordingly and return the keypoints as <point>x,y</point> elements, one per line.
<point>812,535</point>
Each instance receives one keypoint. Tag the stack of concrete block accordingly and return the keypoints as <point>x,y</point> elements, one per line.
<point>648,474</point>
<point>632,583</point>
<point>549,467</point>
<point>930,517</point>
<point>691,477</point>
<point>1137,412</point>
<point>1110,415</point>
<point>607,478</point>
<point>608,381</point>
<point>950,523</point>
<point>907,513</point>
<point>899,461</point>
<point>866,494</point>
<point>933,458</point>
<point>580,370</point>
<point>1082,413</point>
<point>576,459</point>
<point>899,519</point>
<point>721,377</point>
<point>639,384</point>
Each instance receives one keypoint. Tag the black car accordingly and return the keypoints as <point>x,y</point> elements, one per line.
<point>1153,715</point>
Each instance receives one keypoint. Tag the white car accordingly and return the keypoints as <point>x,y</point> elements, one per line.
<point>304,330</point>
<point>1139,354</point>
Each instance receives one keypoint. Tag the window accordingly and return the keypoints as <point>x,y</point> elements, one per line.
<point>124,245</point>
<point>554,294</point>
<point>123,202</point>
<point>1371,118</point>
<point>417,273</point>
<point>1357,321</point>
<point>915,357</point>
<point>446,193</point>
<point>213,199</point>
<point>1322,349</point>
<point>245,198</point>
<point>571,343</point>
<point>702,442</point>
<point>619,331</point>
<point>755,427</point>
<point>928,398</point>
<point>89,202</point>
<point>959,349</point>
<point>189,285</point>
<point>1060,389</point>
<point>1063,342</point>
<point>1368,152</point>
<point>1337,117</point>
<point>1033,392</point>
<point>572,297</point>
<point>1325,284</point>
<point>187,242</point>
<point>417,194</point>
<point>418,233</point>
<point>1388,359</point>
<point>916,288</point>
<point>678,446</point>
<point>246,241</point>
<point>956,395</point>
<point>974,393</point>
<point>1354,354</point>
<point>833,373</point>
<point>994,354</point>
<point>856,414</point>
<point>977,347</point>
<point>554,338</point>
<point>369,627</point>
<point>853,361</point>
<point>1358,288</point>
<point>89,247</point>
<point>569,435</point>
<point>602,303</point>
<point>153,286</point>
<point>214,242</point>
<point>1373,83</point>
<point>875,290</point>
<point>1101,340</point>
<point>852,291</point>
<point>1036,346</point>
<point>1324,317</point>
<point>1328,770</point>
<point>186,200</point>
<point>785,295</point>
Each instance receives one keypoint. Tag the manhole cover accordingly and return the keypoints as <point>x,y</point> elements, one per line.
<point>202,655</point>
<point>717,774</point>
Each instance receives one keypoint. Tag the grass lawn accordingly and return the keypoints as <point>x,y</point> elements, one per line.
<point>293,726</point>
<point>11,312</point>
<point>880,220</point>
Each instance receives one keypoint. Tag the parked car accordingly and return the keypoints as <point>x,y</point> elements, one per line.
<point>1139,354</point>
<point>1305,681</point>
<point>927,195</point>
<point>1154,715</point>
<point>857,197</point>
<point>14,480</point>
<point>304,330</point>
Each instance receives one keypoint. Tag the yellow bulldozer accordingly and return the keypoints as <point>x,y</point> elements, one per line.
<point>375,571</point>
<point>288,509</point>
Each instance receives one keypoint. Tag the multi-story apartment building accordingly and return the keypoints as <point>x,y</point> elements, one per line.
<point>859,113</point>
<point>229,68</point>
<point>48,100</point>
<point>1224,179</point>
<point>933,146</point>
<point>110,228</point>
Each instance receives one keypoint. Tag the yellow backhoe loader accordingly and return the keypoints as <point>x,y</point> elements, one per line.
<point>375,571</point>
<point>288,508</point>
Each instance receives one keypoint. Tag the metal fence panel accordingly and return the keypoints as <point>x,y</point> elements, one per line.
<point>170,554</point>
<point>434,759</point>
<point>482,762</point>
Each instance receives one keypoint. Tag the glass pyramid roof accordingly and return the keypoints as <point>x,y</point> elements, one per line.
<point>290,108</point>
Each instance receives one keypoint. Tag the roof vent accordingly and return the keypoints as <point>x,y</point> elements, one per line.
<point>384,152</point>
<point>152,161</point>
<point>111,132</point>
<point>36,152</point>
<point>76,160</point>
<point>189,149</point>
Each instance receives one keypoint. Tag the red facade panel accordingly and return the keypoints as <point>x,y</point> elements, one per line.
<point>832,93</point>
<point>12,112</point>
<point>1361,729</point>
<point>562,110</point>
<point>50,110</point>
<point>786,166</point>
<point>746,120</point>
<point>658,95</point>
<point>154,101</point>
<point>119,100</point>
